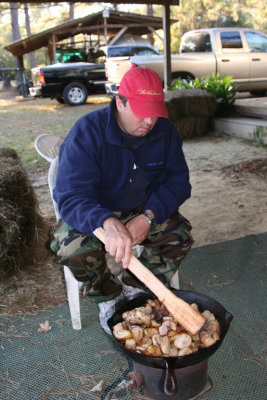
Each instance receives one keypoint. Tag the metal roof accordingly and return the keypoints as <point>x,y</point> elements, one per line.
<point>91,24</point>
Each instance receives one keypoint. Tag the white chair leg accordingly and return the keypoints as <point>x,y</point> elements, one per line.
<point>175,283</point>
<point>72,286</point>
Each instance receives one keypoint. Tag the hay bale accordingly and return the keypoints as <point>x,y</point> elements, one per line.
<point>19,217</point>
<point>190,127</point>
<point>191,111</point>
<point>6,152</point>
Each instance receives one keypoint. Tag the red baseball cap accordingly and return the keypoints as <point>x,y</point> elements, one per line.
<point>143,89</point>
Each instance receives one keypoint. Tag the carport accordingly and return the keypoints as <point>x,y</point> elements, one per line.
<point>112,24</point>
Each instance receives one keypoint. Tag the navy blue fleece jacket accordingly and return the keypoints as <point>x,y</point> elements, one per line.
<point>100,172</point>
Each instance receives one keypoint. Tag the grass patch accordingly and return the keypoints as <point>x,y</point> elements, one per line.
<point>22,121</point>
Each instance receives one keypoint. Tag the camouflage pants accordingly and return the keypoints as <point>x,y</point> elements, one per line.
<point>164,248</point>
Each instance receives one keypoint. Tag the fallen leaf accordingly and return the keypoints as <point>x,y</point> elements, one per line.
<point>98,387</point>
<point>241,206</point>
<point>44,327</point>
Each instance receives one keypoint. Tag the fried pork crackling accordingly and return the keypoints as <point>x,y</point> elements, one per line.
<point>152,331</point>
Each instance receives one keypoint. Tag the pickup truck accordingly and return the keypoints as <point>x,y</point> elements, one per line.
<point>72,82</point>
<point>237,52</point>
<point>69,83</point>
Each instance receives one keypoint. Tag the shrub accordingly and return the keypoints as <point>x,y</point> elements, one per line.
<point>222,87</point>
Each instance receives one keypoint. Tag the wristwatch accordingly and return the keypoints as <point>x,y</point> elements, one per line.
<point>152,221</point>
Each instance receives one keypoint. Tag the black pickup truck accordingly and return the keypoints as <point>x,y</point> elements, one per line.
<point>69,83</point>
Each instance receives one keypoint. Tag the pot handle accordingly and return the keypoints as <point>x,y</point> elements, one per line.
<point>228,317</point>
<point>170,383</point>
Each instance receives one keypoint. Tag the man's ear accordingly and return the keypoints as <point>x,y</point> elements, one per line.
<point>119,103</point>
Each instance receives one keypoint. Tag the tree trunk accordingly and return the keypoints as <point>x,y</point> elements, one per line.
<point>15,27</point>
<point>150,12</point>
<point>28,28</point>
<point>14,21</point>
<point>72,40</point>
<point>7,82</point>
<point>20,76</point>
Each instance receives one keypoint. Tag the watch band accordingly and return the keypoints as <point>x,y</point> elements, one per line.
<point>151,220</point>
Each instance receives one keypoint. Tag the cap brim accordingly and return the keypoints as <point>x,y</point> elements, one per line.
<point>148,109</point>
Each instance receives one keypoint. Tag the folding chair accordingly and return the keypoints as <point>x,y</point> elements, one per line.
<point>48,147</point>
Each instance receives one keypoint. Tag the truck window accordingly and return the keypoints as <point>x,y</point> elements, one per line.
<point>256,42</point>
<point>231,40</point>
<point>199,42</point>
<point>120,51</point>
<point>144,51</point>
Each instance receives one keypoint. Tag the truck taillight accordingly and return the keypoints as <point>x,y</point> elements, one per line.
<point>41,78</point>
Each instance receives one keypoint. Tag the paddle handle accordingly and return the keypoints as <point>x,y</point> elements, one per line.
<point>181,311</point>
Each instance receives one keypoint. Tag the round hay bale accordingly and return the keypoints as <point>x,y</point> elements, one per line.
<point>10,222</point>
<point>6,152</point>
<point>9,226</point>
<point>20,220</point>
<point>190,127</point>
<point>191,110</point>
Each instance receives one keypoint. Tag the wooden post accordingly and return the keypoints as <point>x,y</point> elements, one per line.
<point>54,49</point>
<point>105,15</point>
<point>167,46</point>
<point>22,77</point>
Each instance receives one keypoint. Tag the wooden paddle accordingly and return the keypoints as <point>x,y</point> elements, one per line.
<point>181,311</point>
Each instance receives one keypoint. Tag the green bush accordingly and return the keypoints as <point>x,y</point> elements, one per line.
<point>222,87</point>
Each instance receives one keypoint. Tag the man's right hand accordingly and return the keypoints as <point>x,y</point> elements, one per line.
<point>118,241</point>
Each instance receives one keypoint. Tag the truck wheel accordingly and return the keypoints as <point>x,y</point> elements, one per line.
<point>75,94</point>
<point>182,75</point>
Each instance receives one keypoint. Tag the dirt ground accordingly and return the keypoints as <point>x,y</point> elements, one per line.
<point>228,194</point>
<point>228,201</point>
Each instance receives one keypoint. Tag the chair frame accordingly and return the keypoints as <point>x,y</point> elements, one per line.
<point>72,285</point>
<point>47,145</point>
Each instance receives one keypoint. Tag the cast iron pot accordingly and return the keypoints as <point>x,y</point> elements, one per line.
<point>171,363</point>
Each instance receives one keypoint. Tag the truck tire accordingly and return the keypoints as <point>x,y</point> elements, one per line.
<point>75,94</point>
<point>186,76</point>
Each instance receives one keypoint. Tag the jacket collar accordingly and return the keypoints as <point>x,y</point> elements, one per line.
<point>113,131</point>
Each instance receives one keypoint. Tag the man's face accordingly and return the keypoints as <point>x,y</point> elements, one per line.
<point>132,124</point>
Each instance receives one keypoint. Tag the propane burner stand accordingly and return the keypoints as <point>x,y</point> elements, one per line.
<point>187,383</point>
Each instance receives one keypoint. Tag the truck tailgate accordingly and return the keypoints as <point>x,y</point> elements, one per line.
<point>116,68</point>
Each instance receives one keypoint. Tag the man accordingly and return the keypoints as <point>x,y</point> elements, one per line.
<point>122,168</point>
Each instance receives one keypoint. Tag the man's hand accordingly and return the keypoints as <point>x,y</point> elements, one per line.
<point>138,228</point>
<point>118,241</point>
